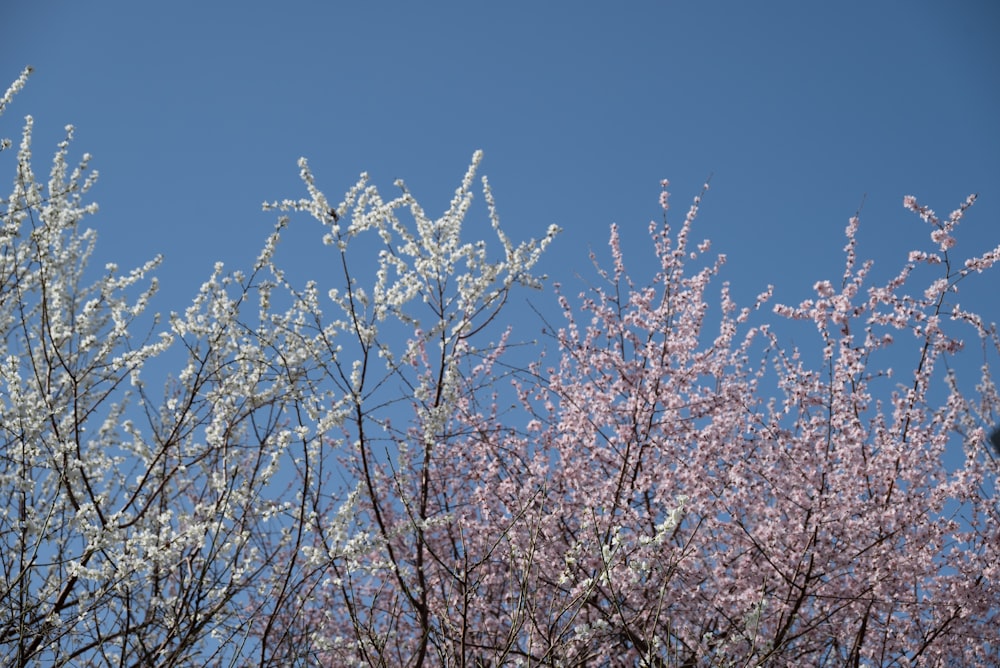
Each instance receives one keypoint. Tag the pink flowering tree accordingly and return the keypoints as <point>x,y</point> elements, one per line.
<point>714,497</point>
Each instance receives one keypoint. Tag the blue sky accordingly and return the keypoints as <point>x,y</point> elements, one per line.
<point>196,112</point>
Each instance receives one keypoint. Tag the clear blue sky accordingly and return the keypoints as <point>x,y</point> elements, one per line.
<point>196,112</point>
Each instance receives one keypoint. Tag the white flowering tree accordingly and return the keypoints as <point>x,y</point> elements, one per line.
<point>152,523</point>
<point>407,354</point>
<point>133,521</point>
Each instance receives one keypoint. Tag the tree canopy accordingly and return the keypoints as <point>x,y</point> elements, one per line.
<point>372,471</point>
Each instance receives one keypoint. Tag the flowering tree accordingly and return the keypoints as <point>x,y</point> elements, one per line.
<point>679,496</point>
<point>368,470</point>
<point>705,520</point>
<point>133,522</point>
<point>379,568</point>
<point>191,524</point>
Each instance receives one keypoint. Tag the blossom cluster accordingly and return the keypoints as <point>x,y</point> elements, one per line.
<point>370,468</point>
